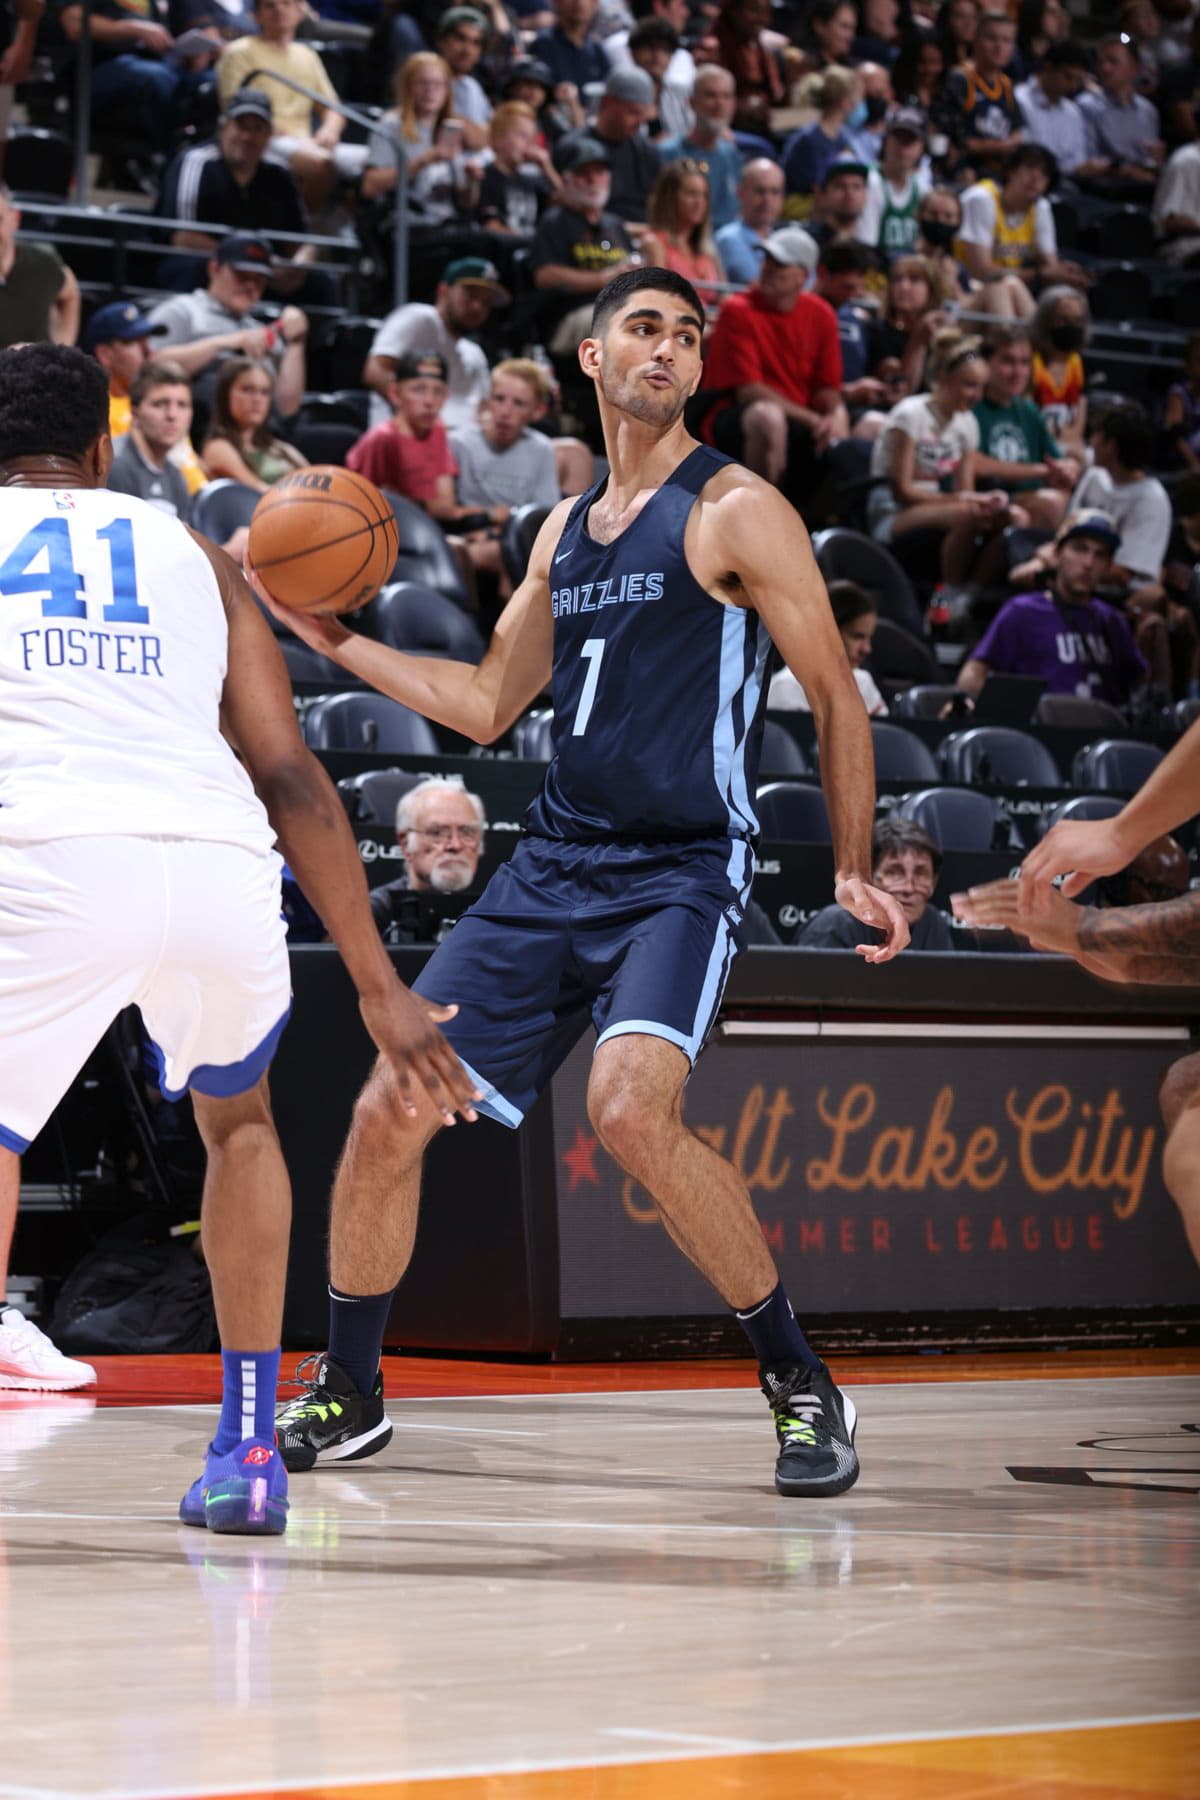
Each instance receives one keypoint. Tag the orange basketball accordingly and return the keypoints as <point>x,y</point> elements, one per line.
<point>323,540</point>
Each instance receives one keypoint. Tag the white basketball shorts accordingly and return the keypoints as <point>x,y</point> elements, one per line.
<point>189,932</point>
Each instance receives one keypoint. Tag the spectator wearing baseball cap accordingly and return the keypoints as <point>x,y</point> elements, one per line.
<point>897,186</point>
<point>775,351</point>
<point>230,180</point>
<point>1065,636</point>
<point>839,201</point>
<point>619,126</point>
<point>579,246</point>
<point>204,327</point>
<point>118,336</point>
<point>469,289</point>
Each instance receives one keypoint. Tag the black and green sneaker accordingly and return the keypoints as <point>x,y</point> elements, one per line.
<point>814,1422</point>
<point>330,1421</point>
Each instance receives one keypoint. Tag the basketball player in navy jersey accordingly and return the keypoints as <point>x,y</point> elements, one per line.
<point>137,865</point>
<point>653,600</point>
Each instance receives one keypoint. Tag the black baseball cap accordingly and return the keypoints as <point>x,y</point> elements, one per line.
<point>251,255</point>
<point>249,100</point>
<point>571,153</point>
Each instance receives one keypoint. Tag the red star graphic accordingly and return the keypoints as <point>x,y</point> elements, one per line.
<point>581,1159</point>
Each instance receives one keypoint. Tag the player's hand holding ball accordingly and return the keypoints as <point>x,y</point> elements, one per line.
<point>322,542</point>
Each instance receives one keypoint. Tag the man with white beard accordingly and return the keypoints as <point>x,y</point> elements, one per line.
<point>439,827</point>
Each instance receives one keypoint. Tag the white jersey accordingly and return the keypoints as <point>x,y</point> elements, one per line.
<point>113,651</point>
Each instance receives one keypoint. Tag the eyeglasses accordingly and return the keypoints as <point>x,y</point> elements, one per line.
<point>445,834</point>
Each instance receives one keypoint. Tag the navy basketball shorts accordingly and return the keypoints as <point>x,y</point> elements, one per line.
<point>633,937</point>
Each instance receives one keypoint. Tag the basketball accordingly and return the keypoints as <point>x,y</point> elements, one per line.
<point>323,540</point>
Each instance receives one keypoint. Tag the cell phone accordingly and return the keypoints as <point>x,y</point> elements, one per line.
<point>450,136</point>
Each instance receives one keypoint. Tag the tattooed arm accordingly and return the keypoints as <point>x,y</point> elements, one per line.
<point>1156,943</point>
<point>1159,943</point>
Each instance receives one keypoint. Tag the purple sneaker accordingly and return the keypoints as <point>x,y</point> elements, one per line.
<point>244,1491</point>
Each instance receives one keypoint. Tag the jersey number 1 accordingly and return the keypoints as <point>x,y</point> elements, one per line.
<point>592,653</point>
<point>61,585</point>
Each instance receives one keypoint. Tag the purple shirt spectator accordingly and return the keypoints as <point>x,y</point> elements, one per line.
<point>1086,649</point>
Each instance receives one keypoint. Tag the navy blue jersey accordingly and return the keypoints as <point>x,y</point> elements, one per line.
<point>659,690</point>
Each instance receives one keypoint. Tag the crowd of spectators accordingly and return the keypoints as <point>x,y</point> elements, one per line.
<point>897,214</point>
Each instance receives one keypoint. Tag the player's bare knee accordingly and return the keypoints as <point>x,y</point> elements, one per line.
<point>623,1122</point>
<point>1179,1090</point>
<point>236,1121</point>
<point>380,1120</point>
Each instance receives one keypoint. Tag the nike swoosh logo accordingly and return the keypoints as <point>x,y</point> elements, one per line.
<point>563,554</point>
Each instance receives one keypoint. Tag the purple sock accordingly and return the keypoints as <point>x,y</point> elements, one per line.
<point>772,1329</point>
<point>249,1380</point>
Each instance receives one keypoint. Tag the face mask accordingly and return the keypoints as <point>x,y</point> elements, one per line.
<point>858,118</point>
<point>877,108</point>
<point>1067,337</point>
<point>938,233</point>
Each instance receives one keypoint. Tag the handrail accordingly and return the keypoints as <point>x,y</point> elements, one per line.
<point>400,246</point>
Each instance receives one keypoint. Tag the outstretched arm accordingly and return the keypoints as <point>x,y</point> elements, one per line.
<point>1157,943</point>
<point>758,538</point>
<point>481,702</point>
<point>258,717</point>
<point>1083,849</point>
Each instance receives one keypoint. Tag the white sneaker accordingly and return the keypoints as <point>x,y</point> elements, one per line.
<point>29,1360</point>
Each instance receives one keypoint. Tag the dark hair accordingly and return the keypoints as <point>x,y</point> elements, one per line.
<point>1128,427</point>
<point>847,259</point>
<point>1003,333</point>
<point>904,69</point>
<point>893,833</point>
<point>53,401</point>
<point>849,601</point>
<point>636,281</point>
<point>161,372</point>
<point>221,424</point>
<point>653,34</point>
<point>1065,53</point>
<point>1123,39</point>
<point>415,363</point>
<point>1032,156</point>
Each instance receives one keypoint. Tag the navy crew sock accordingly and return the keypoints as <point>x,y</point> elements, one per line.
<point>772,1329</point>
<point>356,1327</point>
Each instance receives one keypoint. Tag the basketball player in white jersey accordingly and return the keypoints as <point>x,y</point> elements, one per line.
<point>137,864</point>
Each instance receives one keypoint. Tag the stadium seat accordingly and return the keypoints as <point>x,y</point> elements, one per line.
<point>324,440</point>
<point>928,700</point>
<point>308,665</point>
<point>367,722</point>
<point>518,537</point>
<point>781,754</point>
<point>371,797</point>
<point>531,736</point>
<point>1127,233</point>
<point>348,406</point>
<point>417,619</point>
<point>1118,764</point>
<point>844,555</point>
<point>998,753</point>
<point>221,507</point>
<point>1080,806</point>
<point>901,755</point>
<point>960,818</point>
<point>794,811</point>
<point>1020,542</point>
<point>1121,292</point>
<point>898,660</point>
<point>425,556</point>
<point>39,164</point>
<point>1079,712</point>
<point>1184,713</point>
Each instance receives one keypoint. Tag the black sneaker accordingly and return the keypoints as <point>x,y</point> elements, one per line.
<point>330,1421</point>
<point>814,1422</point>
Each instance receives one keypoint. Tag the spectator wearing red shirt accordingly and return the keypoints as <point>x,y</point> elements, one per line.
<point>776,352</point>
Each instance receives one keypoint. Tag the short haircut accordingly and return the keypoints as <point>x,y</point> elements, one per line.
<point>1004,333</point>
<point>508,114</point>
<point>523,368</point>
<point>1128,426</point>
<point>706,71</point>
<point>996,18</point>
<point>847,259</point>
<point>893,834</point>
<point>1032,156</point>
<point>417,363</point>
<point>1122,40</point>
<point>1065,53</point>
<point>53,401</point>
<point>849,601</point>
<point>622,287</point>
<point>653,34</point>
<point>406,806</point>
<point>159,372</point>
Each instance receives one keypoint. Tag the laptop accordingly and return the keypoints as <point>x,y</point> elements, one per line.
<point>1008,700</point>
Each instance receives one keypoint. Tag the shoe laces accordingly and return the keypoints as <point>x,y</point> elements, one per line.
<point>796,1413</point>
<point>314,1395</point>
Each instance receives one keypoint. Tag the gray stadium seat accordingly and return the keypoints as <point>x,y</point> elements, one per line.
<point>901,755</point>
<point>1081,806</point>
<point>844,555</point>
<point>308,665</point>
<point>425,556</point>
<point>531,735</point>
<point>371,797</point>
<point>781,754</point>
<point>367,722</point>
<point>411,617</point>
<point>998,753</point>
<point>1079,711</point>
<point>1121,764</point>
<point>221,507</point>
<point>927,700</point>
<point>958,818</point>
<point>794,811</point>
